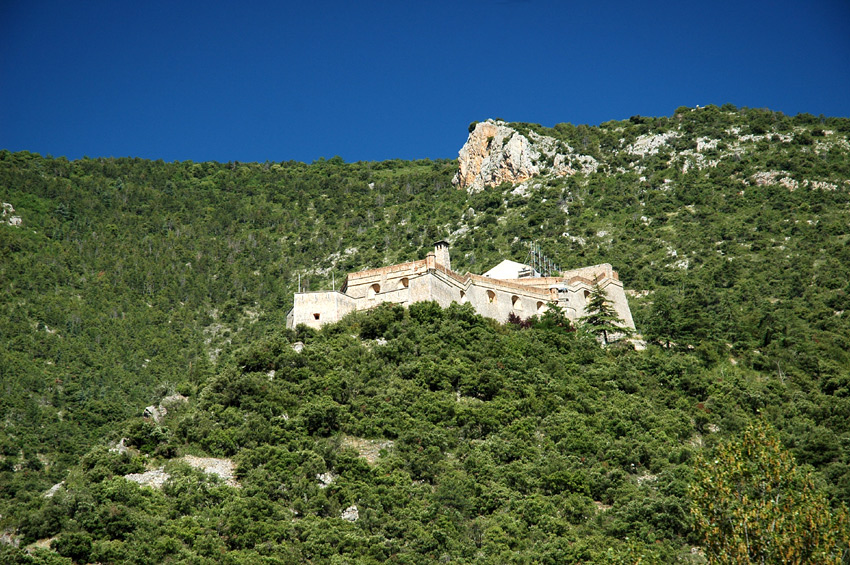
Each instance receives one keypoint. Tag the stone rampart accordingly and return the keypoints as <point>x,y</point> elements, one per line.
<point>603,270</point>
<point>508,286</point>
<point>411,267</point>
<point>424,280</point>
<point>315,309</point>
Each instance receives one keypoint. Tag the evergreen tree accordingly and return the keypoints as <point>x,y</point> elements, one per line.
<point>601,318</point>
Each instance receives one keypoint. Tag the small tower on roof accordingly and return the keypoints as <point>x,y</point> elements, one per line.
<point>441,251</point>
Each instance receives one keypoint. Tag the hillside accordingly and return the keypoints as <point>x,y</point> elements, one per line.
<point>126,281</point>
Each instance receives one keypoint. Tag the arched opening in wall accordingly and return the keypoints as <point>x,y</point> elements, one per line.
<point>373,290</point>
<point>586,294</point>
<point>491,296</point>
<point>316,316</point>
<point>516,303</point>
<point>539,306</point>
<point>463,297</point>
<point>403,283</point>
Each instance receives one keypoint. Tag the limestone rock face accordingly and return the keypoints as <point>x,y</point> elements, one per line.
<point>154,413</point>
<point>351,514</point>
<point>493,154</point>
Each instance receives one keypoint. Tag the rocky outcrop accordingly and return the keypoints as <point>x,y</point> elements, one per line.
<point>6,215</point>
<point>157,413</point>
<point>10,537</point>
<point>155,478</point>
<point>495,153</point>
<point>350,514</point>
<point>325,479</point>
<point>154,413</point>
<point>225,469</point>
<point>51,492</point>
<point>650,144</point>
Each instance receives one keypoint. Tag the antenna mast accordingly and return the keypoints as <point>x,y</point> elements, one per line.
<point>539,262</point>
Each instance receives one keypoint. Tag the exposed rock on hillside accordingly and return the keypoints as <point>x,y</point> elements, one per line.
<point>350,514</point>
<point>495,153</point>
<point>6,215</point>
<point>368,449</point>
<point>650,144</point>
<point>53,490</point>
<point>224,468</point>
<point>157,413</point>
<point>155,478</point>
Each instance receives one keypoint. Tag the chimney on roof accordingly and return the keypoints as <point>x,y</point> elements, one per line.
<point>441,251</point>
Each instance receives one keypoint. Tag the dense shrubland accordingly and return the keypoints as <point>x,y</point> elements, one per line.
<point>130,280</point>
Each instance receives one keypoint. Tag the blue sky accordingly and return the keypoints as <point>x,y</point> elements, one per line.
<point>258,81</point>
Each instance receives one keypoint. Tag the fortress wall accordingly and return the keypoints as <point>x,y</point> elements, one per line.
<point>387,278</point>
<point>495,299</point>
<point>462,279</point>
<point>581,280</point>
<point>592,272</point>
<point>579,295</point>
<point>509,286</point>
<point>412,266</point>
<point>445,287</point>
<point>397,296</point>
<point>441,286</point>
<point>538,282</point>
<point>615,292</point>
<point>428,279</point>
<point>330,306</point>
<point>568,310</point>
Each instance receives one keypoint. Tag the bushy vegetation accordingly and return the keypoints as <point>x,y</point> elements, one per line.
<point>130,280</point>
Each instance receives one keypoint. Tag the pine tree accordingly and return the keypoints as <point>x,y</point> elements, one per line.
<point>601,318</point>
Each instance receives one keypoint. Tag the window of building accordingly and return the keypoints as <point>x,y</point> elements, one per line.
<point>316,316</point>
<point>491,296</point>
<point>403,283</point>
<point>516,303</point>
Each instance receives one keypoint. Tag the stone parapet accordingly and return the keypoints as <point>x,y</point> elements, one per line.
<point>412,267</point>
<point>508,286</point>
<point>603,270</point>
<point>463,279</point>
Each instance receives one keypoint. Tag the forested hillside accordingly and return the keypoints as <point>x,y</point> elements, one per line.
<point>126,281</point>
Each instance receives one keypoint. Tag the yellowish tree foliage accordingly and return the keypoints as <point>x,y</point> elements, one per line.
<point>752,504</point>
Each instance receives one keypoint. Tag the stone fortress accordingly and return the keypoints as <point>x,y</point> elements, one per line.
<point>509,287</point>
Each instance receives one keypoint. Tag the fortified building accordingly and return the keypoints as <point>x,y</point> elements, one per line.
<point>507,288</point>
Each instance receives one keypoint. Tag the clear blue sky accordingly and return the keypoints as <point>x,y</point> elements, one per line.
<point>257,81</point>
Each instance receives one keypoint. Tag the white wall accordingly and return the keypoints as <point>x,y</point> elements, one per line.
<point>330,306</point>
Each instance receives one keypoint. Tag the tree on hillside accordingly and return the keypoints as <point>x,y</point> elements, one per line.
<point>601,318</point>
<point>554,319</point>
<point>752,504</point>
